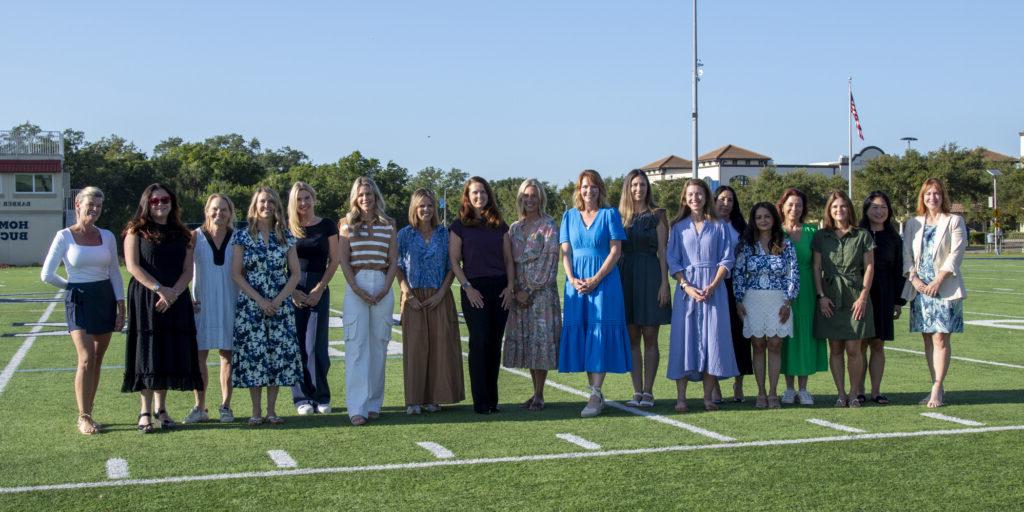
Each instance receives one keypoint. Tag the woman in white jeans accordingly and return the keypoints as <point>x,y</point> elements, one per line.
<point>369,256</point>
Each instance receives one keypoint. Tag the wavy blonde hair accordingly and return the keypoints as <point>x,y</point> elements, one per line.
<point>419,195</point>
<point>207,224</point>
<point>541,194</point>
<point>279,225</point>
<point>294,224</point>
<point>355,214</point>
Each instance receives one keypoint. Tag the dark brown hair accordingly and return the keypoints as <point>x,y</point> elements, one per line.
<point>489,215</point>
<point>752,233</point>
<point>827,221</point>
<point>142,223</point>
<point>786,194</point>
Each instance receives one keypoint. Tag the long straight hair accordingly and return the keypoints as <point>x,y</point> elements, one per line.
<point>142,223</point>
<point>278,226</point>
<point>626,206</point>
<point>489,215</point>
<point>294,224</point>
<point>752,233</point>
<point>207,223</point>
<point>684,209</point>
<point>736,214</point>
<point>354,216</point>
<point>838,195</point>
<point>865,222</point>
<point>945,207</point>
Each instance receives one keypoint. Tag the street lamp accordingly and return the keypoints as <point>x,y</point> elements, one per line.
<point>995,208</point>
<point>908,140</point>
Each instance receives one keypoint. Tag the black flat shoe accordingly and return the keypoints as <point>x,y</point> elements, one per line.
<point>148,427</point>
<point>494,409</point>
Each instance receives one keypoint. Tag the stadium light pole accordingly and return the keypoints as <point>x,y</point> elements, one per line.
<point>995,208</point>
<point>693,114</point>
<point>908,140</point>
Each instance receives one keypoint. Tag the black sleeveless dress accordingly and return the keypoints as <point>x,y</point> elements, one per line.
<point>160,348</point>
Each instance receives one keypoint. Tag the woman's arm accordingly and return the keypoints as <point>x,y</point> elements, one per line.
<point>187,270</point>
<point>725,263</point>
<point>455,259</point>
<point>824,302</point>
<point>131,262</point>
<point>345,263</point>
<point>116,282</point>
<point>951,264</point>
<point>238,276</point>
<point>663,289</point>
<point>294,274</point>
<point>508,295</point>
<point>58,248</point>
<point>860,306</point>
<point>389,276</point>
<point>609,263</point>
<point>333,260</point>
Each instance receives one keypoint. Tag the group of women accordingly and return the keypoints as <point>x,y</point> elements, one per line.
<point>755,296</point>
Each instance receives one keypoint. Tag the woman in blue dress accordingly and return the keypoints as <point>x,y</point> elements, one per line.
<point>594,336</point>
<point>700,257</point>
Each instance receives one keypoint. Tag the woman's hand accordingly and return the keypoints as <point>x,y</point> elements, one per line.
<point>476,299</point>
<point>195,308</point>
<point>313,298</point>
<point>523,298</point>
<point>433,301</point>
<point>165,297</point>
<point>896,311</point>
<point>826,306</point>
<point>694,293</point>
<point>784,312</point>
<point>710,289</point>
<point>663,294</point>
<point>918,284</point>
<point>579,284</point>
<point>267,307</point>
<point>508,296</point>
<point>740,310</point>
<point>932,288</point>
<point>119,321</point>
<point>412,301</point>
<point>299,298</point>
<point>860,307</point>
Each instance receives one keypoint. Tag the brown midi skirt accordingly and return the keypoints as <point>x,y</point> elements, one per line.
<point>432,351</point>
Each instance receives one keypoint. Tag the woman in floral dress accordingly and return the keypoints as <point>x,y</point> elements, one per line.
<point>535,319</point>
<point>266,269</point>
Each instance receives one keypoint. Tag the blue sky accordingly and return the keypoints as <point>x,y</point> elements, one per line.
<point>526,88</point>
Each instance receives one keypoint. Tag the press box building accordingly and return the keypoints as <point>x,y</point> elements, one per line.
<point>33,195</point>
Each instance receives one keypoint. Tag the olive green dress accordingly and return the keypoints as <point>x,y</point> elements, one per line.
<point>842,269</point>
<point>803,354</point>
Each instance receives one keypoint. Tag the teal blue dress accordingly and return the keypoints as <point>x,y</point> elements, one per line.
<point>933,314</point>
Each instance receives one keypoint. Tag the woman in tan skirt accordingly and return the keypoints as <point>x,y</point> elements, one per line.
<point>431,352</point>
<point>535,318</point>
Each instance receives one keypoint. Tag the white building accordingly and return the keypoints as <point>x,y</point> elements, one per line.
<point>33,194</point>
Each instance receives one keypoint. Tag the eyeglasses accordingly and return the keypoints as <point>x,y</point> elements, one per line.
<point>153,201</point>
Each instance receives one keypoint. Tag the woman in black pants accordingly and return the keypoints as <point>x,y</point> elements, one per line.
<point>475,241</point>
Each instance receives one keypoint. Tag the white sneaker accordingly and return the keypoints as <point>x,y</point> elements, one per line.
<point>432,408</point>
<point>788,396</point>
<point>323,408</point>
<point>593,410</point>
<point>196,415</point>
<point>413,410</point>
<point>805,398</point>
<point>305,409</point>
<point>226,416</point>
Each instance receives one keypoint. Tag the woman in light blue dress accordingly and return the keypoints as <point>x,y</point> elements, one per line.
<point>933,249</point>
<point>700,257</point>
<point>594,336</point>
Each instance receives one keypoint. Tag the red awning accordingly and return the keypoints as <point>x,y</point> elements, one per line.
<point>13,166</point>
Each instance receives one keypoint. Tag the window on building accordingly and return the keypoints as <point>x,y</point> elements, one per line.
<point>739,181</point>
<point>33,183</point>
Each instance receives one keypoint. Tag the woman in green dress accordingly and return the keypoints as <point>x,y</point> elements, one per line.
<point>802,354</point>
<point>844,260</point>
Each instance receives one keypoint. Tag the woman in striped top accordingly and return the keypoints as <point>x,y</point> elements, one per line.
<point>369,261</point>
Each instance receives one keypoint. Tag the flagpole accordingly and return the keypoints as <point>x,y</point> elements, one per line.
<point>693,141</point>
<point>849,131</point>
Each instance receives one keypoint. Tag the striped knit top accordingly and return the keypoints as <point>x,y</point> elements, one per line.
<point>369,245</point>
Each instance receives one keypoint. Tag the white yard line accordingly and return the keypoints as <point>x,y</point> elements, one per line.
<point>969,360</point>
<point>12,365</point>
<point>835,426</point>
<point>504,460</point>
<point>943,417</point>
<point>579,441</point>
<point>972,290</point>
<point>282,459</point>
<point>439,451</point>
<point>994,314</point>
<point>117,469</point>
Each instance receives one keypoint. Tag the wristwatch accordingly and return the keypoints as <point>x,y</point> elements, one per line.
<point>156,288</point>
<point>467,285</point>
<point>821,295</point>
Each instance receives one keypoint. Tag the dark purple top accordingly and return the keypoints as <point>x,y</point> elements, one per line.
<point>481,249</point>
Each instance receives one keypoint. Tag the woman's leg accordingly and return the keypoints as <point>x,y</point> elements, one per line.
<point>539,377</point>
<point>940,363</point>
<point>225,378</point>
<point>759,345</point>
<point>837,348</point>
<point>256,396</point>
<point>145,407</point>
<point>272,400</point>
<point>855,361</point>
<point>876,365</point>
<point>681,394</point>
<point>710,387</point>
<point>774,364</point>
<point>200,394</point>
<point>100,344</point>
<point>636,351</point>
<point>83,373</point>
<point>651,357</point>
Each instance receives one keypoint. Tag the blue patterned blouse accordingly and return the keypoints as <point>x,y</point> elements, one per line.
<point>758,270</point>
<point>424,264</point>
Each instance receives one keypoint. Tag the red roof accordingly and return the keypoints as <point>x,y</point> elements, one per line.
<point>669,162</point>
<point>732,152</point>
<point>12,166</point>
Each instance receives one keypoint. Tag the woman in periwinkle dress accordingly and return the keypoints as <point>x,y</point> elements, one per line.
<point>594,335</point>
<point>700,257</point>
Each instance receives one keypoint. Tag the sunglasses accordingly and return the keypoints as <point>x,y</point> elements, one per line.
<point>153,201</point>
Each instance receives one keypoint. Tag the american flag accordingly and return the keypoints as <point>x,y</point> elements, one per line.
<point>856,118</point>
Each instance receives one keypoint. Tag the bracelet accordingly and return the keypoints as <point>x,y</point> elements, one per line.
<point>467,285</point>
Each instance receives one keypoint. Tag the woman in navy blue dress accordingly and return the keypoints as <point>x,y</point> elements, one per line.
<point>594,336</point>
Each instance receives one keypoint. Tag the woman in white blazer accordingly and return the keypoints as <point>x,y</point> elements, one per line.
<point>933,249</point>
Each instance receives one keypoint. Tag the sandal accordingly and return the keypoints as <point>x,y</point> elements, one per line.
<point>148,427</point>
<point>647,401</point>
<point>862,399</point>
<point>635,401</point>
<point>358,420</point>
<point>166,423</point>
<point>853,403</point>
<point>773,402</point>
<point>373,415</point>
<point>761,402</point>
<point>710,406</point>
<point>840,402</point>
<point>255,421</point>
<point>527,404</point>
<point>85,425</point>
<point>880,400</point>
<point>275,419</point>
<point>537,405</point>
<point>681,407</point>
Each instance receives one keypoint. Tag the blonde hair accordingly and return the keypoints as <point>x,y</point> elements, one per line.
<point>626,210</point>
<point>355,214</point>
<point>418,196</point>
<point>684,209</point>
<point>945,207</point>
<point>88,193</point>
<point>595,179</point>
<point>294,224</point>
<point>279,226</point>
<point>542,208</point>
<point>207,224</point>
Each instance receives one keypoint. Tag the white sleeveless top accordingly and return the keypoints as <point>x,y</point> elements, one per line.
<point>216,292</point>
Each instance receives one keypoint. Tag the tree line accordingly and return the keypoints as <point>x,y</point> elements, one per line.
<point>233,165</point>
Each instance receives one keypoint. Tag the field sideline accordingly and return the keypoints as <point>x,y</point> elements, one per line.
<point>806,458</point>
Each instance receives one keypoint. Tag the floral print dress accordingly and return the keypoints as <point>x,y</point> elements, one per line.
<point>933,314</point>
<point>533,331</point>
<point>266,349</point>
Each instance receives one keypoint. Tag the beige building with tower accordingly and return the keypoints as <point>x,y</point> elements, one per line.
<point>33,194</point>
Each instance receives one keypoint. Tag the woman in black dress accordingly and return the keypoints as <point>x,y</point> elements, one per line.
<point>160,349</point>
<point>727,206</point>
<point>886,288</point>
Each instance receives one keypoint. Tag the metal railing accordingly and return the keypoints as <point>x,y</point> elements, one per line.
<point>36,143</point>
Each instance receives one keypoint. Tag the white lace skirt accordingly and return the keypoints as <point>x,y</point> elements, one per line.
<point>762,320</point>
